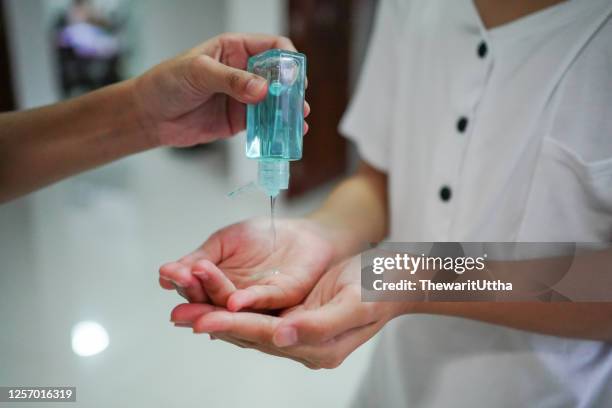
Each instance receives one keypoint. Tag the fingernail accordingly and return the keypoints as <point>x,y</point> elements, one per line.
<point>285,336</point>
<point>255,86</point>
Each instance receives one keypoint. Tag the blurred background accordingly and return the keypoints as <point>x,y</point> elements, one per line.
<point>88,249</point>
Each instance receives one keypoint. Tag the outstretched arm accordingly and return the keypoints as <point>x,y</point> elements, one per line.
<point>196,97</point>
<point>44,145</point>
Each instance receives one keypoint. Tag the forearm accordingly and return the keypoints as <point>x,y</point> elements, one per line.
<point>576,320</point>
<point>44,145</point>
<point>581,277</point>
<point>356,212</point>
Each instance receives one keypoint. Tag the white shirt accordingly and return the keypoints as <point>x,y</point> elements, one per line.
<point>530,161</point>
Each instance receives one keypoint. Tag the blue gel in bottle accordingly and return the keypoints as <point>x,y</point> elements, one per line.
<point>275,125</point>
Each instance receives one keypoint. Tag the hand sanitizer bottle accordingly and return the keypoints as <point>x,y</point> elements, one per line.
<point>275,125</point>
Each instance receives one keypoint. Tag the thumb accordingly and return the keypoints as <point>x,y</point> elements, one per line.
<point>316,326</point>
<point>208,75</point>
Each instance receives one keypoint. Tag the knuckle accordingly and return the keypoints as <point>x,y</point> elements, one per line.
<point>261,300</point>
<point>311,365</point>
<point>216,39</point>
<point>331,362</point>
<point>197,62</point>
<point>214,288</point>
<point>318,331</point>
<point>265,336</point>
<point>213,291</point>
<point>286,40</point>
<point>308,332</point>
<point>283,39</point>
<point>229,36</point>
<point>195,66</point>
<point>234,81</point>
<point>202,264</point>
<point>331,358</point>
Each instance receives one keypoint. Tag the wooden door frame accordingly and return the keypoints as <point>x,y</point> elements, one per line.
<point>7,95</point>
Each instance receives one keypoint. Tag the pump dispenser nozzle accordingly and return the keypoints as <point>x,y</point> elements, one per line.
<point>273,176</point>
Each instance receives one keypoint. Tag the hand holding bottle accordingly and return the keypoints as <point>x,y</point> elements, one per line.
<point>196,97</point>
<point>200,96</point>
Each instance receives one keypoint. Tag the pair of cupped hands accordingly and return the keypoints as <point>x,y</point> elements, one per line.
<point>297,300</point>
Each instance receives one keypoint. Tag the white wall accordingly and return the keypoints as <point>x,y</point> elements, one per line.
<point>165,28</point>
<point>31,54</point>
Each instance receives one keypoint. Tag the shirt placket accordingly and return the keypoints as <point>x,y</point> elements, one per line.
<point>468,87</point>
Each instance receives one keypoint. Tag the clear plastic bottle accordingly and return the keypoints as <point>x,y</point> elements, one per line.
<point>275,125</point>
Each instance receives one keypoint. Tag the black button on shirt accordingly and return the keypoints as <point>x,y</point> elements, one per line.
<point>445,193</point>
<point>482,49</point>
<point>462,124</point>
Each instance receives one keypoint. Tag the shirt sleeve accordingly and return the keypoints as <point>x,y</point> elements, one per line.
<point>367,121</point>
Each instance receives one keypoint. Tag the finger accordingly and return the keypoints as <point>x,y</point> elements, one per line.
<point>207,75</point>
<point>316,326</point>
<point>218,287</point>
<point>200,253</point>
<point>189,312</point>
<point>211,249</point>
<point>253,330</point>
<point>258,297</point>
<point>254,327</point>
<point>236,112</point>
<point>306,109</point>
<point>180,276</point>
<point>170,273</point>
<point>165,283</point>
<point>306,127</point>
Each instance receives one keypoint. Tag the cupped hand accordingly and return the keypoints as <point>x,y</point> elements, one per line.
<point>200,96</point>
<point>241,267</point>
<point>320,333</point>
